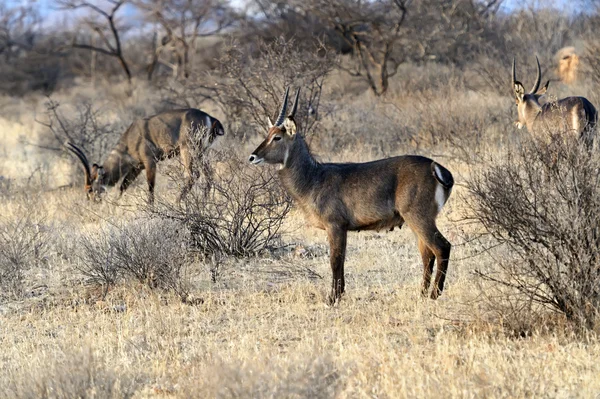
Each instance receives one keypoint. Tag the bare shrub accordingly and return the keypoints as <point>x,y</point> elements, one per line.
<point>153,252</point>
<point>239,212</point>
<point>86,129</point>
<point>24,241</point>
<point>72,375</point>
<point>543,203</point>
<point>254,83</point>
<point>317,377</point>
<point>591,57</point>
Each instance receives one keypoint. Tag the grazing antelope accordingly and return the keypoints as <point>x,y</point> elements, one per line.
<point>574,114</point>
<point>342,197</point>
<point>148,141</point>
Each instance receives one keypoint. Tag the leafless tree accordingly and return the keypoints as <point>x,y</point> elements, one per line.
<point>254,83</point>
<point>103,22</point>
<point>183,22</point>
<point>18,27</point>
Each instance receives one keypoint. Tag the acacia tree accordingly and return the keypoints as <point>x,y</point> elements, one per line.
<point>383,34</point>
<point>103,22</point>
<point>182,22</point>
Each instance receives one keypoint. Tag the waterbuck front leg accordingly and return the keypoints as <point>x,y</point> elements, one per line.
<point>129,178</point>
<point>337,237</point>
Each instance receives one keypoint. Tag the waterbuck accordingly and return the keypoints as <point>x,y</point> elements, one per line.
<point>573,114</point>
<point>148,141</point>
<point>342,197</point>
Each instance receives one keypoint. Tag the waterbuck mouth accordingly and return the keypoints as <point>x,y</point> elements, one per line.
<point>255,159</point>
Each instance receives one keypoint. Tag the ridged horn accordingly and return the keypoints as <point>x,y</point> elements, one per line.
<point>295,106</point>
<point>84,161</point>
<point>281,116</point>
<point>538,78</point>
<point>514,74</point>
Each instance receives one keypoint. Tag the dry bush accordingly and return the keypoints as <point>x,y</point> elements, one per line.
<point>304,378</point>
<point>591,57</point>
<point>254,84</point>
<point>153,252</point>
<point>87,129</point>
<point>543,203</point>
<point>24,241</point>
<point>73,375</point>
<point>239,212</point>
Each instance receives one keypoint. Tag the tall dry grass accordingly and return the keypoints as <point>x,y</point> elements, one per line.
<point>260,327</point>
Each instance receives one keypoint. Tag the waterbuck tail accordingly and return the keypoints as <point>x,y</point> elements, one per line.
<point>442,175</point>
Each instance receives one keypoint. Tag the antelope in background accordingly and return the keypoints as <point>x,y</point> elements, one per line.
<point>145,143</point>
<point>342,197</point>
<point>575,114</point>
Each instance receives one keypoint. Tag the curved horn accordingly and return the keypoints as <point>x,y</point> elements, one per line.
<point>86,165</point>
<point>514,74</point>
<point>281,116</point>
<point>295,106</point>
<point>538,78</point>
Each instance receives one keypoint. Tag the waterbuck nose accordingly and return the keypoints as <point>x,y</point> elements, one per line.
<point>252,158</point>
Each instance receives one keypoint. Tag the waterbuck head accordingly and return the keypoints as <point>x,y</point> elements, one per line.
<point>281,136</point>
<point>528,105</point>
<point>95,176</point>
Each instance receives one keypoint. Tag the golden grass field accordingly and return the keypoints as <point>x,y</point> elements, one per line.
<point>263,330</point>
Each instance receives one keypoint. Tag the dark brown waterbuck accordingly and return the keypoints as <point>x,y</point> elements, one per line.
<point>342,197</point>
<point>570,114</point>
<point>148,141</point>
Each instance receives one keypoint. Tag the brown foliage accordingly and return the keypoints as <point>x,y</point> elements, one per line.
<point>568,64</point>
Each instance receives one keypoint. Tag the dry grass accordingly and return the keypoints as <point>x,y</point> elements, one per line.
<point>262,329</point>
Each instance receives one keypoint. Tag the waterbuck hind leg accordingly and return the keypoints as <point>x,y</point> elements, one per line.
<point>208,173</point>
<point>428,258</point>
<point>430,236</point>
<point>337,254</point>
<point>441,249</point>
<point>191,169</point>
<point>151,178</point>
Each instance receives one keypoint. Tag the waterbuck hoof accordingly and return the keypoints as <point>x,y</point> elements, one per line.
<point>435,294</point>
<point>333,300</point>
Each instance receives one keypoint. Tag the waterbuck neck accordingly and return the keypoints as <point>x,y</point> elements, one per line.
<point>299,169</point>
<point>116,166</point>
<point>531,111</point>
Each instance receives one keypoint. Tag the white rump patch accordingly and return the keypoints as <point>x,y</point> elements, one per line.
<point>440,196</point>
<point>440,191</point>
<point>576,119</point>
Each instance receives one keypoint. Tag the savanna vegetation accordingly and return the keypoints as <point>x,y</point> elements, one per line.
<point>224,293</point>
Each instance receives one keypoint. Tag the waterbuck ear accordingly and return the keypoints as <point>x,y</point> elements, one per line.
<point>519,91</point>
<point>270,123</point>
<point>290,126</point>
<point>543,90</point>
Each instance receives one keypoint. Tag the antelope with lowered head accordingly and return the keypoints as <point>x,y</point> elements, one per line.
<point>574,114</point>
<point>342,197</point>
<point>148,141</point>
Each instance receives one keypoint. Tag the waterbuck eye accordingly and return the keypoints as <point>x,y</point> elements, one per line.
<point>276,138</point>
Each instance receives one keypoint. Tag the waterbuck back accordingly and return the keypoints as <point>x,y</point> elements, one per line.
<point>186,132</point>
